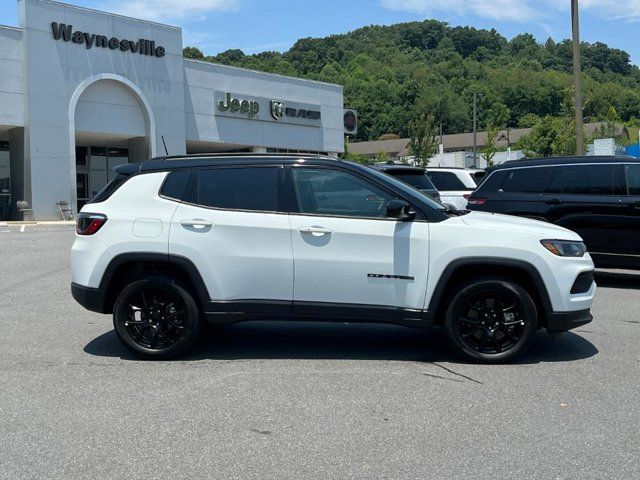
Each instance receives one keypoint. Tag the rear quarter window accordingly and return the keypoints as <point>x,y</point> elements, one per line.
<point>110,188</point>
<point>447,181</point>
<point>175,184</point>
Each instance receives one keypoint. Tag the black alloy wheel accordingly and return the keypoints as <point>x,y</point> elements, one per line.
<point>156,318</point>
<point>491,320</point>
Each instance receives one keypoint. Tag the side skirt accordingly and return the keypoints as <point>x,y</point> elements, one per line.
<point>224,312</point>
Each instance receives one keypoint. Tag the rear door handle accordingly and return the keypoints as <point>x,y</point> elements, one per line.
<point>197,223</point>
<point>553,201</point>
<point>316,231</point>
<point>634,204</point>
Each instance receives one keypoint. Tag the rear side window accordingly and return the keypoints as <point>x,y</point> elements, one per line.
<point>175,184</point>
<point>416,180</point>
<point>583,180</point>
<point>632,173</point>
<point>248,188</point>
<point>527,180</point>
<point>110,188</point>
<point>446,181</point>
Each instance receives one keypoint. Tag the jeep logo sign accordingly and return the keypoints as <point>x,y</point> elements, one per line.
<point>235,105</point>
<point>265,109</point>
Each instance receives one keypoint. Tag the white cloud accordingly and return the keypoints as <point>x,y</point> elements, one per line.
<point>517,10</point>
<point>171,10</point>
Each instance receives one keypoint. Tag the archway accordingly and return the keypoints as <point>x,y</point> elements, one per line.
<point>110,123</point>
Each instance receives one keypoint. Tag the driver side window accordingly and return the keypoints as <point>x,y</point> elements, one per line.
<point>330,192</point>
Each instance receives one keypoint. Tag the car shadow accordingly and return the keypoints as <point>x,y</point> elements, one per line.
<point>617,279</point>
<point>341,341</point>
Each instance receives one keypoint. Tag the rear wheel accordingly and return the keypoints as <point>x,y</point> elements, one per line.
<point>156,318</point>
<point>491,320</point>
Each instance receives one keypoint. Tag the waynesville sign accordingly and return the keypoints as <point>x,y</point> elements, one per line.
<point>66,33</point>
<point>233,105</point>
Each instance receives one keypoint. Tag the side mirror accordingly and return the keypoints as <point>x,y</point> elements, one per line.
<point>401,210</point>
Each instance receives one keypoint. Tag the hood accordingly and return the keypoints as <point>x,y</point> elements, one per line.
<point>512,223</point>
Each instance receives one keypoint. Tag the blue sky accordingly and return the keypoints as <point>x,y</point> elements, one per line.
<point>257,25</point>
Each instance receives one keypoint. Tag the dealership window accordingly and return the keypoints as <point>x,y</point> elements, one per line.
<point>248,188</point>
<point>94,169</point>
<point>289,150</point>
<point>5,181</point>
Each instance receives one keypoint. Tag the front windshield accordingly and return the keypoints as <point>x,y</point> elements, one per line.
<point>408,189</point>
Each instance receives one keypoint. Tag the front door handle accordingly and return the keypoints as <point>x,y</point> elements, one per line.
<point>316,231</point>
<point>197,223</point>
<point>553,201</point>
<point>634,204</point>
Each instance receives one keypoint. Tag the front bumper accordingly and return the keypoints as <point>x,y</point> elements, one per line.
<point>90,298</point>
<point>564,321</point>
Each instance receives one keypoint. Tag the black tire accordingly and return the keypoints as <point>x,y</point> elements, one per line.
<point>156,318</point>
<point>491,320</point>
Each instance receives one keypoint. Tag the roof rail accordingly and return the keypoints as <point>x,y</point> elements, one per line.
<point>237,154</point>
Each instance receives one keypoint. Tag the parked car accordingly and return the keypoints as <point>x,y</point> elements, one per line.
<point>414,176</point>
<point>455,184</point>
<point>176,241</point>
<point>597,197</point>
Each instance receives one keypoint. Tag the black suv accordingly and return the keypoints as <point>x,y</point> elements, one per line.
<point>597,197</point>
<point>414,176</point>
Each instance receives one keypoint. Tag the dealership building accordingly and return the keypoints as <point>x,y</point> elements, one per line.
<point>82,91</point>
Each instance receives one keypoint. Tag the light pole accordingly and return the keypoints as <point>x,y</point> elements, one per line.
<point>575,26</point>
<point>475,125</point>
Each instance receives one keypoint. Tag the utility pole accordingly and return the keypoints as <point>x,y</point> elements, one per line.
<point>475,125</point>
<point>575,24</point>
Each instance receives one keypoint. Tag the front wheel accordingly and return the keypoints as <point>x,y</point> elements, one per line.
<point>491,320</point>
<point>156,318</point>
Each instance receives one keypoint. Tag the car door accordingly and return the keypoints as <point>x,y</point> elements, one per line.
<point>583,198</point>
<point>521,190</point>
<point>349,257</point>
<point>235,229</point>
<point>631,206</point>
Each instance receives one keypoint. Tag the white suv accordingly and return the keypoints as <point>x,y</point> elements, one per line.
<point>176,241</point>
<point>455,184</point>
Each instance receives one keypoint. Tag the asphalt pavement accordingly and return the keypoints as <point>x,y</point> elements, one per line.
<point>287,400</point>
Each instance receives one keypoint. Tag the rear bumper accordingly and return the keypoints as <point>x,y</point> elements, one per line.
<point>563,321</point>
<point>90,298</point>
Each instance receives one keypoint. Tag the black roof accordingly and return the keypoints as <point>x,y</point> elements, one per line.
<point>529,162</point>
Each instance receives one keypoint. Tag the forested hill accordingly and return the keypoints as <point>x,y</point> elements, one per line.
<point>388,71</point>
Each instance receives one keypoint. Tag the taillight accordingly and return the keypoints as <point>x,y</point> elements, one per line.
<point>466,196</point>
<point>89,223</point>
<point>476,200</point>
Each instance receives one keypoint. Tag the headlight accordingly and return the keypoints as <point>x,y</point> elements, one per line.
<point>565,248</point>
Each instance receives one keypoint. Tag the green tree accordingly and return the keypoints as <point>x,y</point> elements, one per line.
<point>382,156</point>
<point>423,141</point>
<point>387,70</point>
<point>193,53</point>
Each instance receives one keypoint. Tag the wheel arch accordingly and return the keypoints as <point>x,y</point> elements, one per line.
<point>127,267</point>
<point>523,273</point>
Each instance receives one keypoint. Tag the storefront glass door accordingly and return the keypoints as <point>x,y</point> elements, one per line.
<point>94,168</point>
<point>5,181</point>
